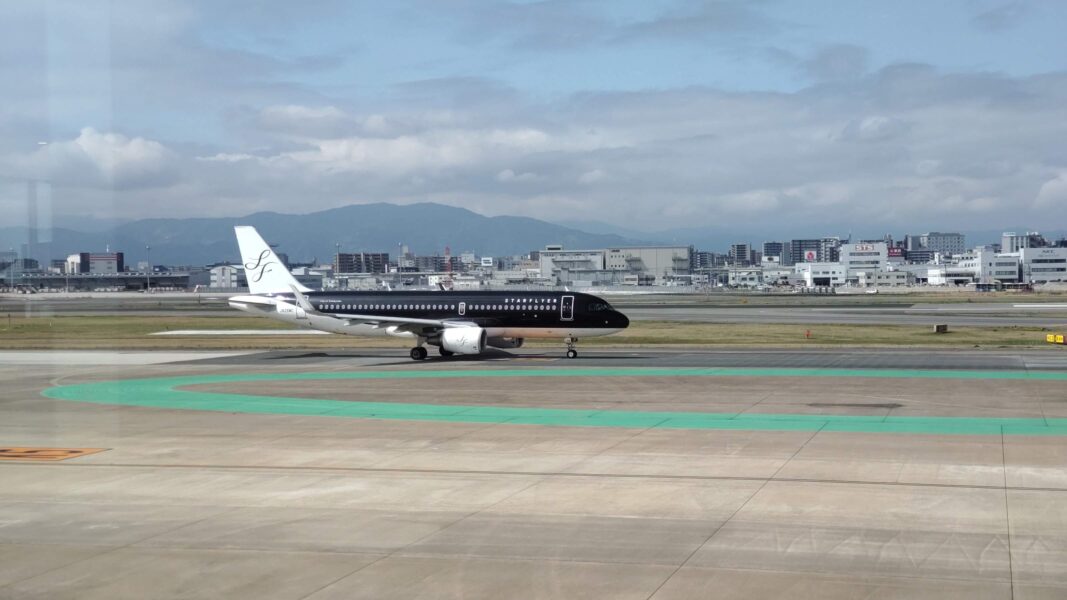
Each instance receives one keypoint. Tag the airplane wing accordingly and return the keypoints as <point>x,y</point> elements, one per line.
<point>380,320</point>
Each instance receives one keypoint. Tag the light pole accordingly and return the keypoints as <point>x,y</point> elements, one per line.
<point>148,271</point>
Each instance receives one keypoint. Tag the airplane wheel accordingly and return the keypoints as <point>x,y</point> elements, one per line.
<point>572,353</point>
<point>418,353</point>
<point>445,353</point>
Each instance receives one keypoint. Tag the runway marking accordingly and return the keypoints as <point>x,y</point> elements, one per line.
<point>163,393</point>
<point>45,454</point>
<point>242,332</point>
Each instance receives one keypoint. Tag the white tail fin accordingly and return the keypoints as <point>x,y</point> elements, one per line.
<point>263,269</point>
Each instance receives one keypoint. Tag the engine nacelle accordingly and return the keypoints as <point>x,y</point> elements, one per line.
<point>463,340</point>
<point>505,342</point>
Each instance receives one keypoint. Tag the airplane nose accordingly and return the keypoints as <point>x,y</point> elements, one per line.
<point>622,320</point>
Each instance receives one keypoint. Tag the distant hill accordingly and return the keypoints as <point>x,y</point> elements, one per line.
<point>426,228</point>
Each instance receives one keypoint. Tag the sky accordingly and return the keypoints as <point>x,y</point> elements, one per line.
<point>818,116</point>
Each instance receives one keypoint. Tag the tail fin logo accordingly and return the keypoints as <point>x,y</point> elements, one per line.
<point>259,267</point>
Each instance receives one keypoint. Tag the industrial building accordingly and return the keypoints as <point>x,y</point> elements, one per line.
<point>227,277</point>
<point>96,263</point>
<point>928,244</point>
<point>612,266</point>
<point>361,262</point>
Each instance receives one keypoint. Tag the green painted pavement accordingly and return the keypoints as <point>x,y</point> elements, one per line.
<point>165,393</point>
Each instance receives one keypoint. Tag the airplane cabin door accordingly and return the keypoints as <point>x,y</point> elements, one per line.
<point>566,308</point>
<point>462,308</point>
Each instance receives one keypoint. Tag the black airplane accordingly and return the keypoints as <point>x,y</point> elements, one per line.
<point>456,322</point>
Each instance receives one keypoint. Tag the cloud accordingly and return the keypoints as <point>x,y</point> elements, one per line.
<point>837,62</point>
<point>1000,18</point>
<point>553,26</point>
<point>431,151</point>
<point>96,159</point>
<point>905,146</point>
<point>508,176</point>
<point>707,21</point>
<point>546,25</point>
<point>592,176</point>
<point>196,116</point>
<point>1053,193</point>
<point>873,128</point>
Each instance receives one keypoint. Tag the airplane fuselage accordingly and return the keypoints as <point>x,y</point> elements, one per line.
<point>503,314</point>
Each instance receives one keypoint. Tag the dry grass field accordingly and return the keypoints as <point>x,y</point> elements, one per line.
<point>135,332</point>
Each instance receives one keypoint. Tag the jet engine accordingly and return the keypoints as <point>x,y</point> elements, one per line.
<point>463,340</point>
<point>505,342</point>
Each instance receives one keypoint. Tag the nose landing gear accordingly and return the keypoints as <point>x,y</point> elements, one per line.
<point>571,351</point>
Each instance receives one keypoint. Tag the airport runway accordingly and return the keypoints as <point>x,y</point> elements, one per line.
<point>622,474</point>
<point>976,315</point>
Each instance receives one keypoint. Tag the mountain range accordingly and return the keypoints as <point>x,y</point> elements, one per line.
<point>426,228</point>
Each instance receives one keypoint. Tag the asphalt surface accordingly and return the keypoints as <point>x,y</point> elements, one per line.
<point>978,315</point>
<point>183,502</point>
<point>1054,358</point>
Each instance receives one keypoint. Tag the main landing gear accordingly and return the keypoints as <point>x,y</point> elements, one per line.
<point>571,352</point>
<point>418,353</point>
<point>443,352</point>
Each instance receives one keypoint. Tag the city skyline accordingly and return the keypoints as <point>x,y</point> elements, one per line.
<point>429,230</point>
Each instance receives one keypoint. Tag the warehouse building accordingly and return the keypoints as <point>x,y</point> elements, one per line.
<point>658,264</point>
<point>96,263</point>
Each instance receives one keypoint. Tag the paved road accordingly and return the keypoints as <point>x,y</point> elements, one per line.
<point>1035,359</point>
<point>291,506</point>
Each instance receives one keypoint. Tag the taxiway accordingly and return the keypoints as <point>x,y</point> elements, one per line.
<point>281,494</point>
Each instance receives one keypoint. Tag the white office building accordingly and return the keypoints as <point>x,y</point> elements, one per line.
<point>1042,265</point>
<point>745,277</point>
<point>774,274</point>
<point>821,274</point>
<point>864,257</point>
<point>987,266</point>
<point>885,278</point>
<point>1013,242</point>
